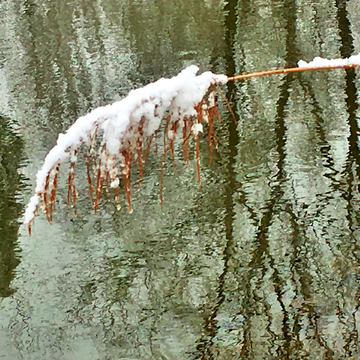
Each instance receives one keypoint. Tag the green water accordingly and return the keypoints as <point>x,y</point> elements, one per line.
<point>261,261</point>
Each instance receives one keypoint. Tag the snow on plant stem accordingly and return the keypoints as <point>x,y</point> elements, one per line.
<point>128,124</point>
<point>125,126</point>
<point>317,63</point>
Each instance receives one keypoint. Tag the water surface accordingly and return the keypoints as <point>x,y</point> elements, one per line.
<point>259,262</point>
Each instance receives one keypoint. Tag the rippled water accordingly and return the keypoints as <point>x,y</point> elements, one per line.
<point>259,262</point>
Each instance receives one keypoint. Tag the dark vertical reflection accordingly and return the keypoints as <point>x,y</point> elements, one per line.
<point>275,205</point>
<point>353,158</point>
<point>210,325</point>
<point>11,156</point>
<point>231,184</point>
<point>346,50</point>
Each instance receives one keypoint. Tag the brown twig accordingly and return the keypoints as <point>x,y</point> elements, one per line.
<point>227,101</point>
<point>289,70</point>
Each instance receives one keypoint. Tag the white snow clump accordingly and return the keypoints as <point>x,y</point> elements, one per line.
<point>320,62</point>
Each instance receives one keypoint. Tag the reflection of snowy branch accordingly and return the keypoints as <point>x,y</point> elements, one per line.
<point>129,125</point>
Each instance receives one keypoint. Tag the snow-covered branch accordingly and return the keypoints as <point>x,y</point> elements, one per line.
<point>129,125</point>
<point>125,126</point>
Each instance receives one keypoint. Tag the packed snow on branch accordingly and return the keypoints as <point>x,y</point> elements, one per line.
<point>125,125</point>
<point>320,62</point>
<point>128,127</point>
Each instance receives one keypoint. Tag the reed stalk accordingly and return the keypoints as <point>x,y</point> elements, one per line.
<point>288,70</point>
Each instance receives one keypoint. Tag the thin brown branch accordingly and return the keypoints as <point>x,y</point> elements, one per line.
<point>226,100</point>
<point>289,70</point>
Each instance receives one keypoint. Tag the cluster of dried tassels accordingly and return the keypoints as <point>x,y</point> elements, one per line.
<point>102,173</point>
<point>102,164</point>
